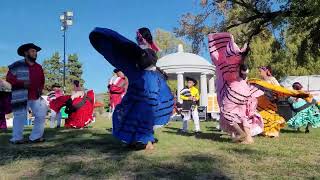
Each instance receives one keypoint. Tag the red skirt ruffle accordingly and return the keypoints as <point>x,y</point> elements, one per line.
<point>82,117</point>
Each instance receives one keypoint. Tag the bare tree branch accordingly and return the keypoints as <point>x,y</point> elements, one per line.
<point>264,16</point>
<point>245,21</point>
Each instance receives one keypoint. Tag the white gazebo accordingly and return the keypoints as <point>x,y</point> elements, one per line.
<point>181,64</point>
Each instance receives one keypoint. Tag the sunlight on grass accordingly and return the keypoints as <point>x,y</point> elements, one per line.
<point>93,153</point>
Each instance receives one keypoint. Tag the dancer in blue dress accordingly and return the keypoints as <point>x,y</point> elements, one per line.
<point>148,102</point>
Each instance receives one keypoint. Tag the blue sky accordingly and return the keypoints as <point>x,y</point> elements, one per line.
<point>37,21</point>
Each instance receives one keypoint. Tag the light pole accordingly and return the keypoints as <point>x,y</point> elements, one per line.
<point>66,21</point>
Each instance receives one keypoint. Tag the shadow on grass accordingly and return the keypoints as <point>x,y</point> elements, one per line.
<point>196,166</point>
<point>209,128</point>
<point>290,131</point>
<point>75,154</point>
<point>246,151</point>
<point>60,143</point>
<point>172,128</point>
<point>215,136</point>
<point>5,136</point>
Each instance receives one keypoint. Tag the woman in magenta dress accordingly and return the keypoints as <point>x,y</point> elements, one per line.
<point>237,99</point>
<point>5,103</point>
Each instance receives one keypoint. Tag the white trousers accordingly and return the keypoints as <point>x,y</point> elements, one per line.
<point>55,116</point>
<point>217,117</point>
<point>111,110</point>
<point>39,110</point>
<point>187,117</point>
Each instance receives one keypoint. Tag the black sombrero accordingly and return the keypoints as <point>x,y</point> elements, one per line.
<point>191,79</point>
<point>26,47</point>
<point>116,70</point>
<point>55,85</point>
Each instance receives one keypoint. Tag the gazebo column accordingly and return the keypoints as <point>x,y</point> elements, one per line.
<point>180,85</point>
<point>212,87</point>
<point>203,90</point>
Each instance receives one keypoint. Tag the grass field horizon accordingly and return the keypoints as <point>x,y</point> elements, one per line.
<point>94,154</point>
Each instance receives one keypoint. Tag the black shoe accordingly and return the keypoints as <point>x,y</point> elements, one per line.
<point>19,142</point>
<point>130,146</point>
<point>140,146</point>
<point>307,131</point>
<point>40,140</point>
<point>3,130</point>
<point>197,133</point>
<point>181,131</point>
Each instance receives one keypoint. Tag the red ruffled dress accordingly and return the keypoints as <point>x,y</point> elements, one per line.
<point>82,116</point>
<point>117,90</point>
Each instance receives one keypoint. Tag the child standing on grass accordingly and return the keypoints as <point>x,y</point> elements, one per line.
<point>190,97</point>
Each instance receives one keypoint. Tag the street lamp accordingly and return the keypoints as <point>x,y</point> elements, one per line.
<point>66,21</point>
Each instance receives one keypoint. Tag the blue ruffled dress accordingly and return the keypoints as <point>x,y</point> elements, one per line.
<point>307,116</point>
<point>148,101</point>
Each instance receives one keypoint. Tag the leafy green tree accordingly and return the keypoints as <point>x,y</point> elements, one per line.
<point>53,71</point>
<point>283,34</point>
<point>255,15</point>
<point>291,60</point>
<point>172,83</point>
<point>260,54</point>
<point>3,72</point>
<point>106,102</point>
<point>168,43</point>
<point>73,71</point>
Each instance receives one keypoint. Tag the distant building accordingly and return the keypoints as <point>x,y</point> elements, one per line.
<point>182,64</point>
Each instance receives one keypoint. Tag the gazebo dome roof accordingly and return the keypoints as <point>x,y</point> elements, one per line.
<point>182,62</point>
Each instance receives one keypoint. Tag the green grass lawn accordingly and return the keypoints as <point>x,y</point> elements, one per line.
<point>94,154</point>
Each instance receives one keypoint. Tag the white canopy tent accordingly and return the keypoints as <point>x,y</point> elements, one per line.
<point>309,83</point>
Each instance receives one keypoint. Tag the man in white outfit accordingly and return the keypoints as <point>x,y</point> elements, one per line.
<point>27,80</point>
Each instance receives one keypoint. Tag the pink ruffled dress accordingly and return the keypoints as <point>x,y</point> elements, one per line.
<point>237,99</point>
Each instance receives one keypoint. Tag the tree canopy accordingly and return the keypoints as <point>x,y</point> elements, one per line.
<point>168,43</point>
<point>282,33</point>
<point>74,70</point>
<point>3,72</point>
<point>53,69</point>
